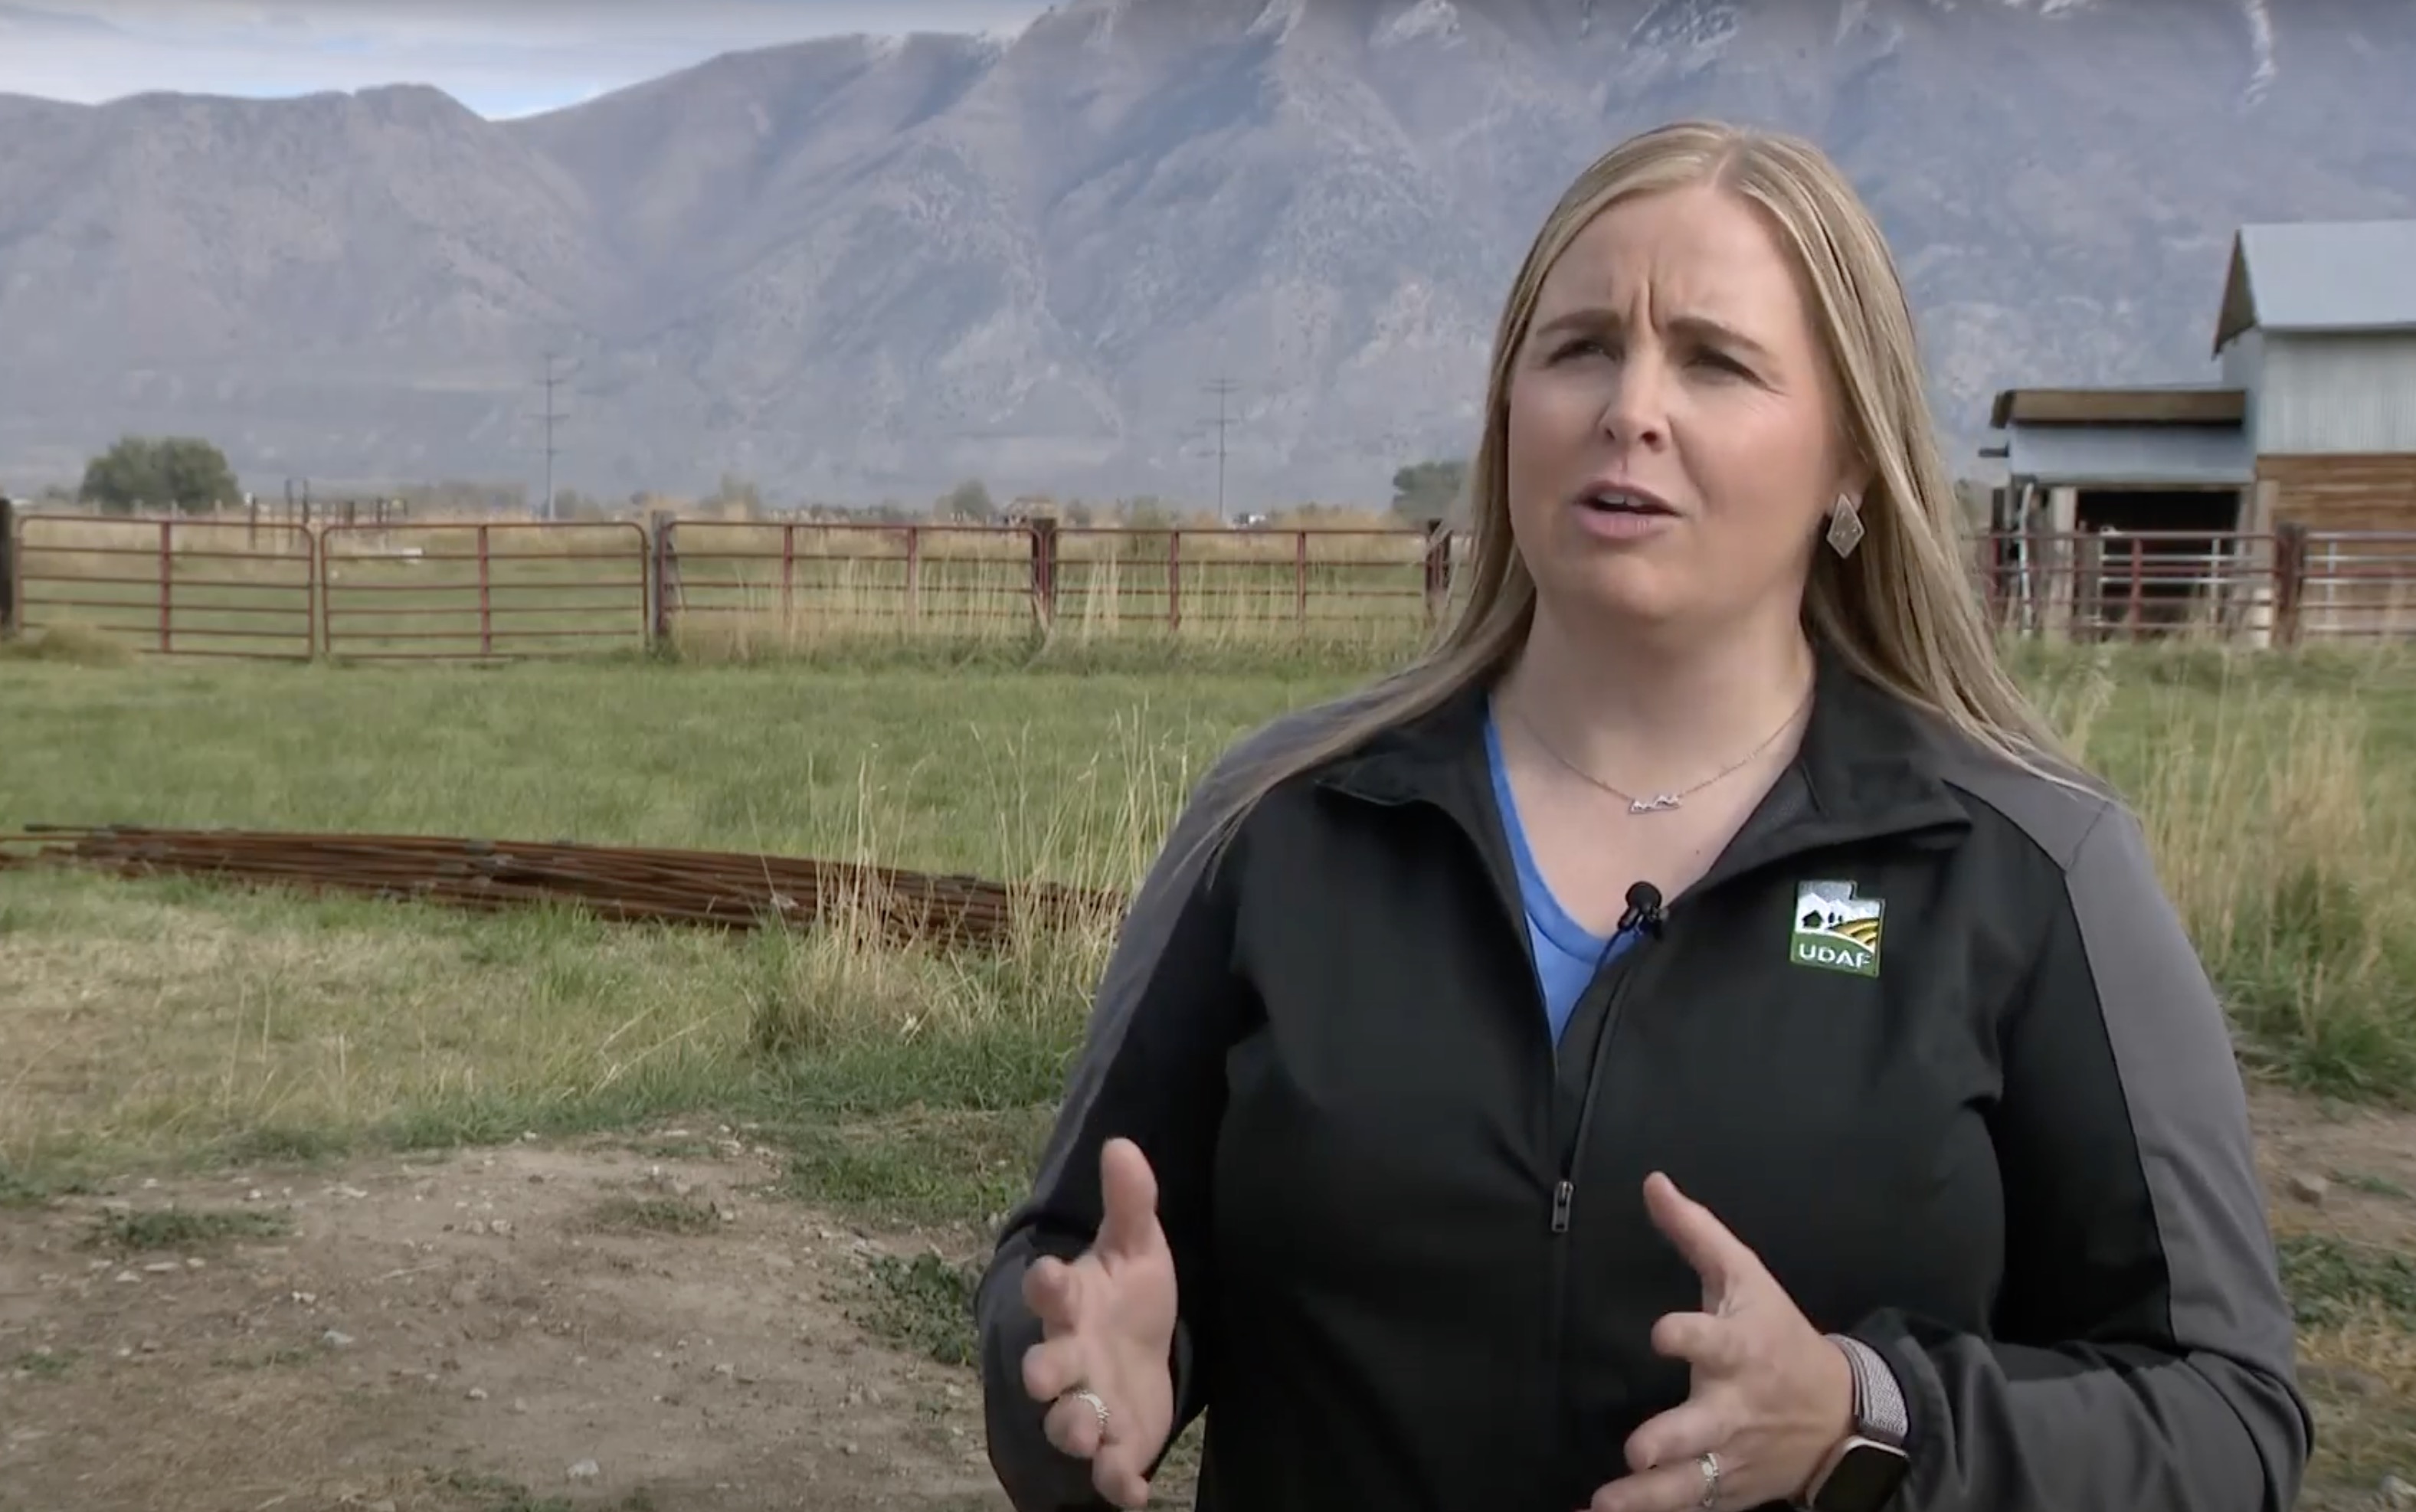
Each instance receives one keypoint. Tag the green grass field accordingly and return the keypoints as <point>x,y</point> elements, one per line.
<point>171,1023</point>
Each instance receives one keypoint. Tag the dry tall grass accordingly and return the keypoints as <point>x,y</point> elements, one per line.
<point>2274,792</point>
<point>2272,787</point>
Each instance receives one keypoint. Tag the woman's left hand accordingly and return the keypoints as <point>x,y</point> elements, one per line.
<point>1768,1394</point>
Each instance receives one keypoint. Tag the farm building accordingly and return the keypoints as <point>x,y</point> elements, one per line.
<point>2311,428</point>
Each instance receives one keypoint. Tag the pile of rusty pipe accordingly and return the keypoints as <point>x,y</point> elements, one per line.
<point>627,883</point>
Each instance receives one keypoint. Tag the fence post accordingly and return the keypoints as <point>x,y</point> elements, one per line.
<point>1438,568</point>
<point>1044,569</point>
<point>317,635</point>
<point>1174,577</point>
<point>1299,580</point>
<point>2138,602</point>
<point>486,600</point>
<point>788,577</point>
<point>2290,581</point>
<point>7,567</point>
<point>657,629</point>
<point>167,585</point>
<point>668,597</point>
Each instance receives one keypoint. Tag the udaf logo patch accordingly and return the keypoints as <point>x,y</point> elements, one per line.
<point>1835,930</point>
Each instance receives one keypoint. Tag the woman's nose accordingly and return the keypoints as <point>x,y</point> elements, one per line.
<point>1634,414</point>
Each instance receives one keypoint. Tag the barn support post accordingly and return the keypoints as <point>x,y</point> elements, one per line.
<point>2063,561</point>
<point>2259,569</point>
<point>2029,547</point>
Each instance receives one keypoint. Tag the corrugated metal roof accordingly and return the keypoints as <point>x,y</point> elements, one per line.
<point>2057,456</point>
<point>2320,276</point>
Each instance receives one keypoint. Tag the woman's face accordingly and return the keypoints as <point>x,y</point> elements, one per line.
<point>1673,437</point>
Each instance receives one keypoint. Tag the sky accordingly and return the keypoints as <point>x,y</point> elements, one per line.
<point>499,57</point>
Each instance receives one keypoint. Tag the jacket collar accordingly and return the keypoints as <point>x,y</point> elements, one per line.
<point>1868,765</point>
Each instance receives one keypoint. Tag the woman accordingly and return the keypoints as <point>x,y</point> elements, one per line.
<point>1687,1042</point>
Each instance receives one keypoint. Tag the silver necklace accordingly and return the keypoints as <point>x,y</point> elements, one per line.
<point>1658,802</point>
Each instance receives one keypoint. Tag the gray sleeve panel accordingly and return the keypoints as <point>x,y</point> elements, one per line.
<point>1151,1070</point>
<point>2147,1356</point>
<point>2189,1111</point>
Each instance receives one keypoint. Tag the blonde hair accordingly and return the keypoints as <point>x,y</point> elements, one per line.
<point>1903,610</point>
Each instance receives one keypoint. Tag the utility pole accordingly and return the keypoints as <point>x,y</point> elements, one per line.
<point>546,512</point>
<point>1223,388</point>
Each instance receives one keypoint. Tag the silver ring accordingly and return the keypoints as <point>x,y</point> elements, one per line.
<point>1709,1462</point>
<point>1098,1408</point>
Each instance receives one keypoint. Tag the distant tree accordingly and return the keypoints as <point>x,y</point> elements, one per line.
<point>569,504</point>
<point>970,502</point>
<point>464,497</point>
<point>1144,511</point>
<point>180,473</point>
<point>1428,489</point>
<point>737,495</point>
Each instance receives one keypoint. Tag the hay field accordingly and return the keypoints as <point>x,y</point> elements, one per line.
<point>176,1027</point>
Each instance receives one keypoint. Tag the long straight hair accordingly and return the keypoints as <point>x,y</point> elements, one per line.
<point>1903,610</point>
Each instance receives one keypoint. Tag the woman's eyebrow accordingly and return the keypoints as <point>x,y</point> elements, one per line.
<point>1697,328</point>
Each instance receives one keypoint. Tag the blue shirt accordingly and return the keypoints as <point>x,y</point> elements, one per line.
<point>1567,953</point>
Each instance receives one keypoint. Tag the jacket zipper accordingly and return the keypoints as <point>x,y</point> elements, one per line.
<point>1653,922</point>
<point>1648,920</point>
<point>1514,912</point>
<point>1563,1195</point>
<point>1564,1191</point>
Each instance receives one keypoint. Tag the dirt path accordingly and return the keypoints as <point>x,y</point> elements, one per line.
<point>546,1327</point>
<point>530,1327</point>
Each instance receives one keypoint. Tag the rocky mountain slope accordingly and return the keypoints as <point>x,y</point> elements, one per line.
<point>854,267</point>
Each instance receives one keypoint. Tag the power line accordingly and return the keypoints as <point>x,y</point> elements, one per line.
<point>1223,388</point>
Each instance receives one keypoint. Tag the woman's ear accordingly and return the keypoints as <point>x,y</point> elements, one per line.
<point>1854,480</point>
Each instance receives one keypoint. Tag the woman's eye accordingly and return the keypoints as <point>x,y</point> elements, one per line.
<point>1584,346</point>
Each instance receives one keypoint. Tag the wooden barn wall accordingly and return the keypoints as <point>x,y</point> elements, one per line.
<point>2376,490</point>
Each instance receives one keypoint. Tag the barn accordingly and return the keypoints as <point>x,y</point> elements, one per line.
<point>2273,489</point>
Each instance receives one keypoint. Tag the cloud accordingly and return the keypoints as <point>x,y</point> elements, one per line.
<point>500,57</point>
<point>29,21</point>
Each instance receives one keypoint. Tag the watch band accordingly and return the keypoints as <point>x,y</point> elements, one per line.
<point>1878,1398</point>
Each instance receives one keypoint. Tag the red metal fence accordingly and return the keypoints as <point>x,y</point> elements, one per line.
<point>815,575</point>
<point>2282,587</point>
<point>505,589</point>
<point>512,590</point>
<point>171,587</point>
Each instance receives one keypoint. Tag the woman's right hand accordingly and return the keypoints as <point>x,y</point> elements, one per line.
<point>1107,1326</point>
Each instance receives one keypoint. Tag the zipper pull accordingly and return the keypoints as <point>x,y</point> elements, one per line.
<point>1562,1195</point>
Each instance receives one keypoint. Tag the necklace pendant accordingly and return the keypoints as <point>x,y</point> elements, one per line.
<point>1654,804</point>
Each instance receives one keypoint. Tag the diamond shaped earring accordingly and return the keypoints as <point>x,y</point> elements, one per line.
<point>1845,525</point>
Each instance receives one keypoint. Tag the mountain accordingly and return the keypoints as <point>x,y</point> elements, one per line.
<point>860,267</point>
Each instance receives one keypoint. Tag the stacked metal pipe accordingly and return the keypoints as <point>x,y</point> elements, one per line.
<point>631,883</point>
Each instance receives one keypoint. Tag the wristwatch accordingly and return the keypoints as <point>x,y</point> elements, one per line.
<point>1863,1473</point>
